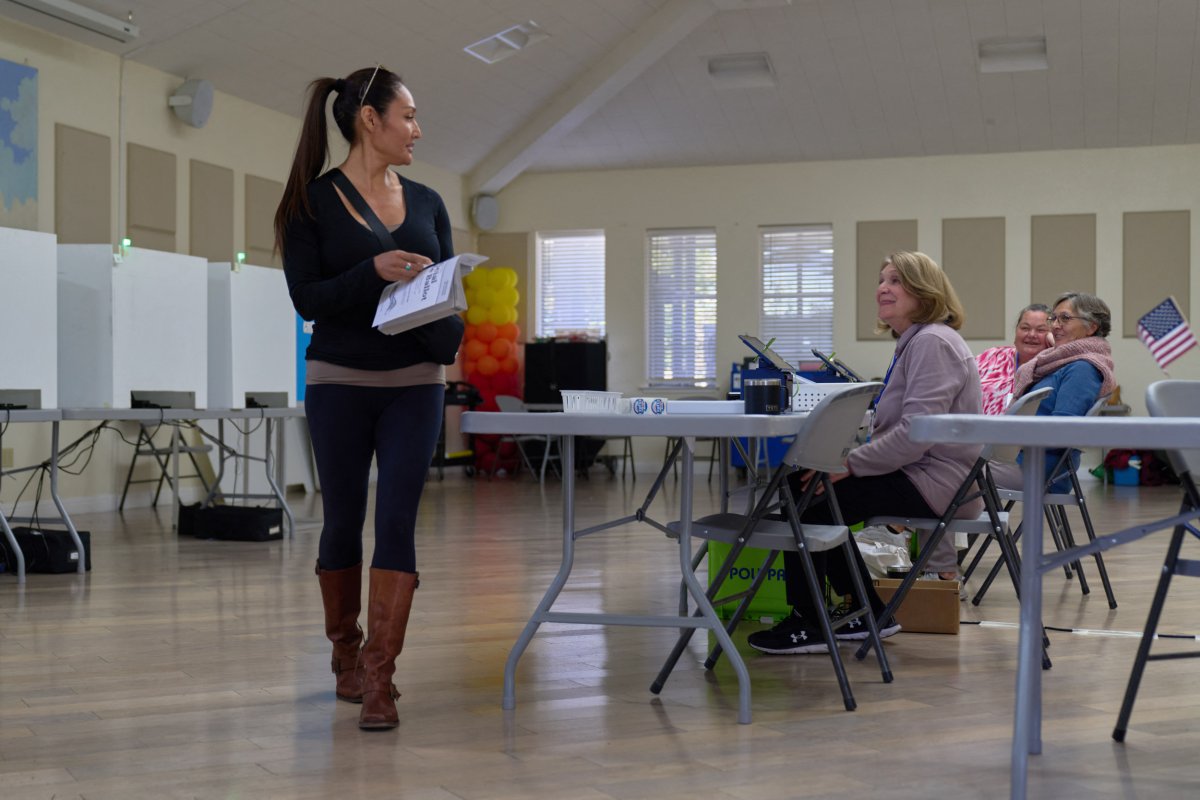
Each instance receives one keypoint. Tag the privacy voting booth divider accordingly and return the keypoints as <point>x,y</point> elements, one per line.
<point>28,318</point>
<point>251,337</point>
<point>134,323</point>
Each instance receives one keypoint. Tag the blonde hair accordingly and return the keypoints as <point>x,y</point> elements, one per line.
<point>924,280</point>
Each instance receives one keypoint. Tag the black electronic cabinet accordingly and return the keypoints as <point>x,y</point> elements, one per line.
<point>551,366</point>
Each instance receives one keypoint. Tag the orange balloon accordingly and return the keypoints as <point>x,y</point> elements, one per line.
<point>486,332</point>
<point>500,348</point>
<point>474,349</point>
<point>510,331</point>
<point>470,368</point>
<point>470,332</point>
<point>488,365</point>
<point>508,365</point>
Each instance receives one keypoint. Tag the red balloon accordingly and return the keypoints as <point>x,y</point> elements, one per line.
<point>486,332</point>
<point>506,383</point>
<point>470,368</point>
<point>509,366</point>
<point>471,332</point>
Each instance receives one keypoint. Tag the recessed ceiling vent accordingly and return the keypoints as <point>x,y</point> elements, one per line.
<point>741,71</point>
<point>1013,54</point>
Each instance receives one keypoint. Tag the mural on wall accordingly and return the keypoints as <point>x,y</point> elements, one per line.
<point>18,146</point>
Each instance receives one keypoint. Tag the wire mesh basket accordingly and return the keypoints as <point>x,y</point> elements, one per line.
<point>805,396</point>
<point>578,401</point>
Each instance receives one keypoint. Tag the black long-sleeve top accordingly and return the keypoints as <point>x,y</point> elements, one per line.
<point>328,261</point>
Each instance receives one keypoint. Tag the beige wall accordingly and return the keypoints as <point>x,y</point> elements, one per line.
<point>738,199</point>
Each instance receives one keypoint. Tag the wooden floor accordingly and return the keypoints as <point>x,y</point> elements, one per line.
<point>193,669</point>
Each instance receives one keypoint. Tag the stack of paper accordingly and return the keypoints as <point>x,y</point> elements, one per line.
<point>435,292</point>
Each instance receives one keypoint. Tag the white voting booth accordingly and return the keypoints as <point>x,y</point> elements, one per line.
<point>251,337</point>
<point>131,324</point>
<point>28,314</point>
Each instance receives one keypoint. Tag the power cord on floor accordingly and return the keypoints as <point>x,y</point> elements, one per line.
<point>1084,631</point>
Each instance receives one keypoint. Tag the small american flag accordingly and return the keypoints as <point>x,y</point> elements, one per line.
<point>1166,332</point>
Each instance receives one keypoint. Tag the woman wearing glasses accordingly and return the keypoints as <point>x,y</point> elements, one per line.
<point>344,236</point>
<point>932,372</point>
<point>1078,369</point>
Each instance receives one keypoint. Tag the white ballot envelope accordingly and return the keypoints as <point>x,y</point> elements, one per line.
<point>436,292</point>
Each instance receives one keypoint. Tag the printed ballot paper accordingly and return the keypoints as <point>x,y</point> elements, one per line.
<point>436,292</point>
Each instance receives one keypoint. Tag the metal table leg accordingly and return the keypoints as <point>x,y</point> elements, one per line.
<point>1027,716</point>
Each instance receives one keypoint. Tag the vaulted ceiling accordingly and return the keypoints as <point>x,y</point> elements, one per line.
<point>625,83</point>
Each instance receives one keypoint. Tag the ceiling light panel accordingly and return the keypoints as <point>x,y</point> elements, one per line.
<point>508,42</point>
<point>741,71</point>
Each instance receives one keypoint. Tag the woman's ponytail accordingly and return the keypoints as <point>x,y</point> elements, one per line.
<point>311,154</point>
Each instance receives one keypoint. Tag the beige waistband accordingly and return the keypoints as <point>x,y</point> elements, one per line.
<point>416,375</point>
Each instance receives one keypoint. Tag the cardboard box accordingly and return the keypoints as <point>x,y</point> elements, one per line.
<point>930,607</point>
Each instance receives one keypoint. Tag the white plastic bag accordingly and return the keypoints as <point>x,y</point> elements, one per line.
<point>883,550</point>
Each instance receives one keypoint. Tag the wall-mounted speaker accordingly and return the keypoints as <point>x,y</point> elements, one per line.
<point>485,211</point>
<point>192,102</point>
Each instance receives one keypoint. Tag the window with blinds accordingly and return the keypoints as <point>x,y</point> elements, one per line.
<point>681,335</point>
<point>570,283</point>
<point>797,289</point>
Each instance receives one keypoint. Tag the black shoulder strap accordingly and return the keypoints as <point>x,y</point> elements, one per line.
<point>364,210</point>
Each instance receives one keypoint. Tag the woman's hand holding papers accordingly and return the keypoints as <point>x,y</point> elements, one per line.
<point>398,265</point>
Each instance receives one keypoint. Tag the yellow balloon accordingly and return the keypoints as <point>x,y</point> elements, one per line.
<point>508,296</point>
<point>498,315</point>
<point>497,278</point>
<point>510,277</point>
<point>486,296</point>
<point>477,277</point>
<point>477,315</point>
<point>512,316</point>
<point>469,292</point>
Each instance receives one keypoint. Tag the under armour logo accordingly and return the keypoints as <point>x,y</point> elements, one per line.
<point>802,636</point>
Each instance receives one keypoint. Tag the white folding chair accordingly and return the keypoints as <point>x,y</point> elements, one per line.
<point>1055,505</point>
<point>1173,398</point>
<point>993,522</point>
<point>550,454</point>
<point>821,446</point>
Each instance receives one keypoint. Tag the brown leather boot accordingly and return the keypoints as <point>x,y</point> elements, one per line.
<point>341,594</point>
<point>389,602</point>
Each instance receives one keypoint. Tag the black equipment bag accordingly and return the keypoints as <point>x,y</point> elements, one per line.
<point>231,523</point>
<point>48,551</point>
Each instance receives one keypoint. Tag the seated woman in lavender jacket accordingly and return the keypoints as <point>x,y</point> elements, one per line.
<point>932,372</point>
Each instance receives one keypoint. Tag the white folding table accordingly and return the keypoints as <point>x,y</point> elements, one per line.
<point>53,416</point>
<point>1036,435</point>
<point>683,426</point>
<point>189,416</point>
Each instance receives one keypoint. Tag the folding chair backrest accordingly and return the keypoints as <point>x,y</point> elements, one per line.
<point>1177,399</point>
<point>829,430</point>
<point>508,402</point>
<point>1024,406</point>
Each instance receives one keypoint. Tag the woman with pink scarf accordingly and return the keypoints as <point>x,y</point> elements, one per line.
<point>998,365</point>
<point>1078,369</point>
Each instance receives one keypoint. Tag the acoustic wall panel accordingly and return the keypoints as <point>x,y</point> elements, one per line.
<point>1157,263</point>
<point>210,211</point>
<point>82,186</point>
<point>262,198</point>
<point>1062,255</point>
<point>151,198</point>
<point>973,258</point>
<point>876,240</point>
